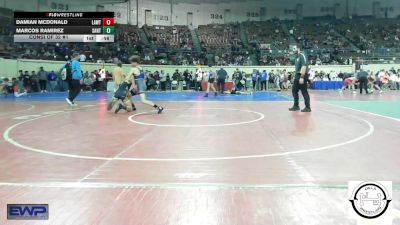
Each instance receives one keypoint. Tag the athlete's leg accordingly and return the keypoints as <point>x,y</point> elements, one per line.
<point>150,103</point>
<point>208,89</point>
<point>213,89</point>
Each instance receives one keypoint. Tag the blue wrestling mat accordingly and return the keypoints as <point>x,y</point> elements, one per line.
<point>156,96</point>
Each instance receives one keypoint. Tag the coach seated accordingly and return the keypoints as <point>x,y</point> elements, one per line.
<point>6,87</point>
<point>87,82</point>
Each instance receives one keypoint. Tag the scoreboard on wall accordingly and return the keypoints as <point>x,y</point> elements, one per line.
<point>64,26</point>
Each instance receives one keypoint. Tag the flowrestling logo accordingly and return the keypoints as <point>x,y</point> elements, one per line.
<point>370,200</point>
<point>27,211</point>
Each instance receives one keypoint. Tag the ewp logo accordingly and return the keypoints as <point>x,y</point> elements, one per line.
<point>27,211</point>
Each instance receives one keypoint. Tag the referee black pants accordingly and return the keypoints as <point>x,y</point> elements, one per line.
<point>74,89</point>
<point>42,84</point>
<point>221,85</point>
<point>303,88</point>
<point>363,84</point>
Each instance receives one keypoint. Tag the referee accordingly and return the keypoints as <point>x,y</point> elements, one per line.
<point>362,78</point>
<point>300,82</point>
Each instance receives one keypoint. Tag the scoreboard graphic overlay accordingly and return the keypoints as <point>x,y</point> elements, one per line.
<point>64,26</point>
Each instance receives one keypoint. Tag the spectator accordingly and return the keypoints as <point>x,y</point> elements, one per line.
<point>151,82</point>
<point>186,79</point>
<point>87,82</point>
<point>254,77</point>
<point>177,77</point>
<point>163,80</point>
<point>42,80</point>
<point>199,79</point>
<point>26,80</point>
<point>264,79</point>
<point>5,87</point>
<point>180,81</point>
<point>52,78</point>
<point>168,85</point>
<point>277,80</point>
<point>35,82</point>
<point>82,58</point>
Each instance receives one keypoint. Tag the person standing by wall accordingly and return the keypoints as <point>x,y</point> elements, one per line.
<point>35,81</point>
<point>52,79</point>
<point>199,79</point>
<point>186,79</point>
<point>258,85</point>
<point>254,79</point>
<point>271,77</point>
<point>189,81</point>
<point>26,81</point>
<point>20,77</point>
<point>221,74</point>
<point>239,82</point>
<point>300,81</point>
<point>264,79</point>
<point>284,80</point>
<point>181,78</point>
<point>42,80</point>
<point>163,80</point>
<point>277,80</point>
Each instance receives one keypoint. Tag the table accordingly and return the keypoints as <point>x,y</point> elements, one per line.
<point>327,85</point>
<point>228,85</point>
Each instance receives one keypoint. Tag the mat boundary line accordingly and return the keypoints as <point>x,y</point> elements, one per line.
<point>106,185</point>
<point>357,110</point>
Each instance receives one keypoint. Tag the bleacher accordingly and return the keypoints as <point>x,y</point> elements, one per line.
<point>326,40</point>
<point>372,34</point>
<point>317,35</point>
<point>217,36</point>
<point>267,33</point>
<point>167,37</point>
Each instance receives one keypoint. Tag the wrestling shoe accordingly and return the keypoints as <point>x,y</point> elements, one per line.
<point>206,95</point>
<point>69,102</point>
<point>306,110</point>
<point>215,94</point>
<point>160,109</point>
<point>294,108</point>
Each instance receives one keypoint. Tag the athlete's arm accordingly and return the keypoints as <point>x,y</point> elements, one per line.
<point>303,65</point>
<point>133,82</point>
<point>303,71</point>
